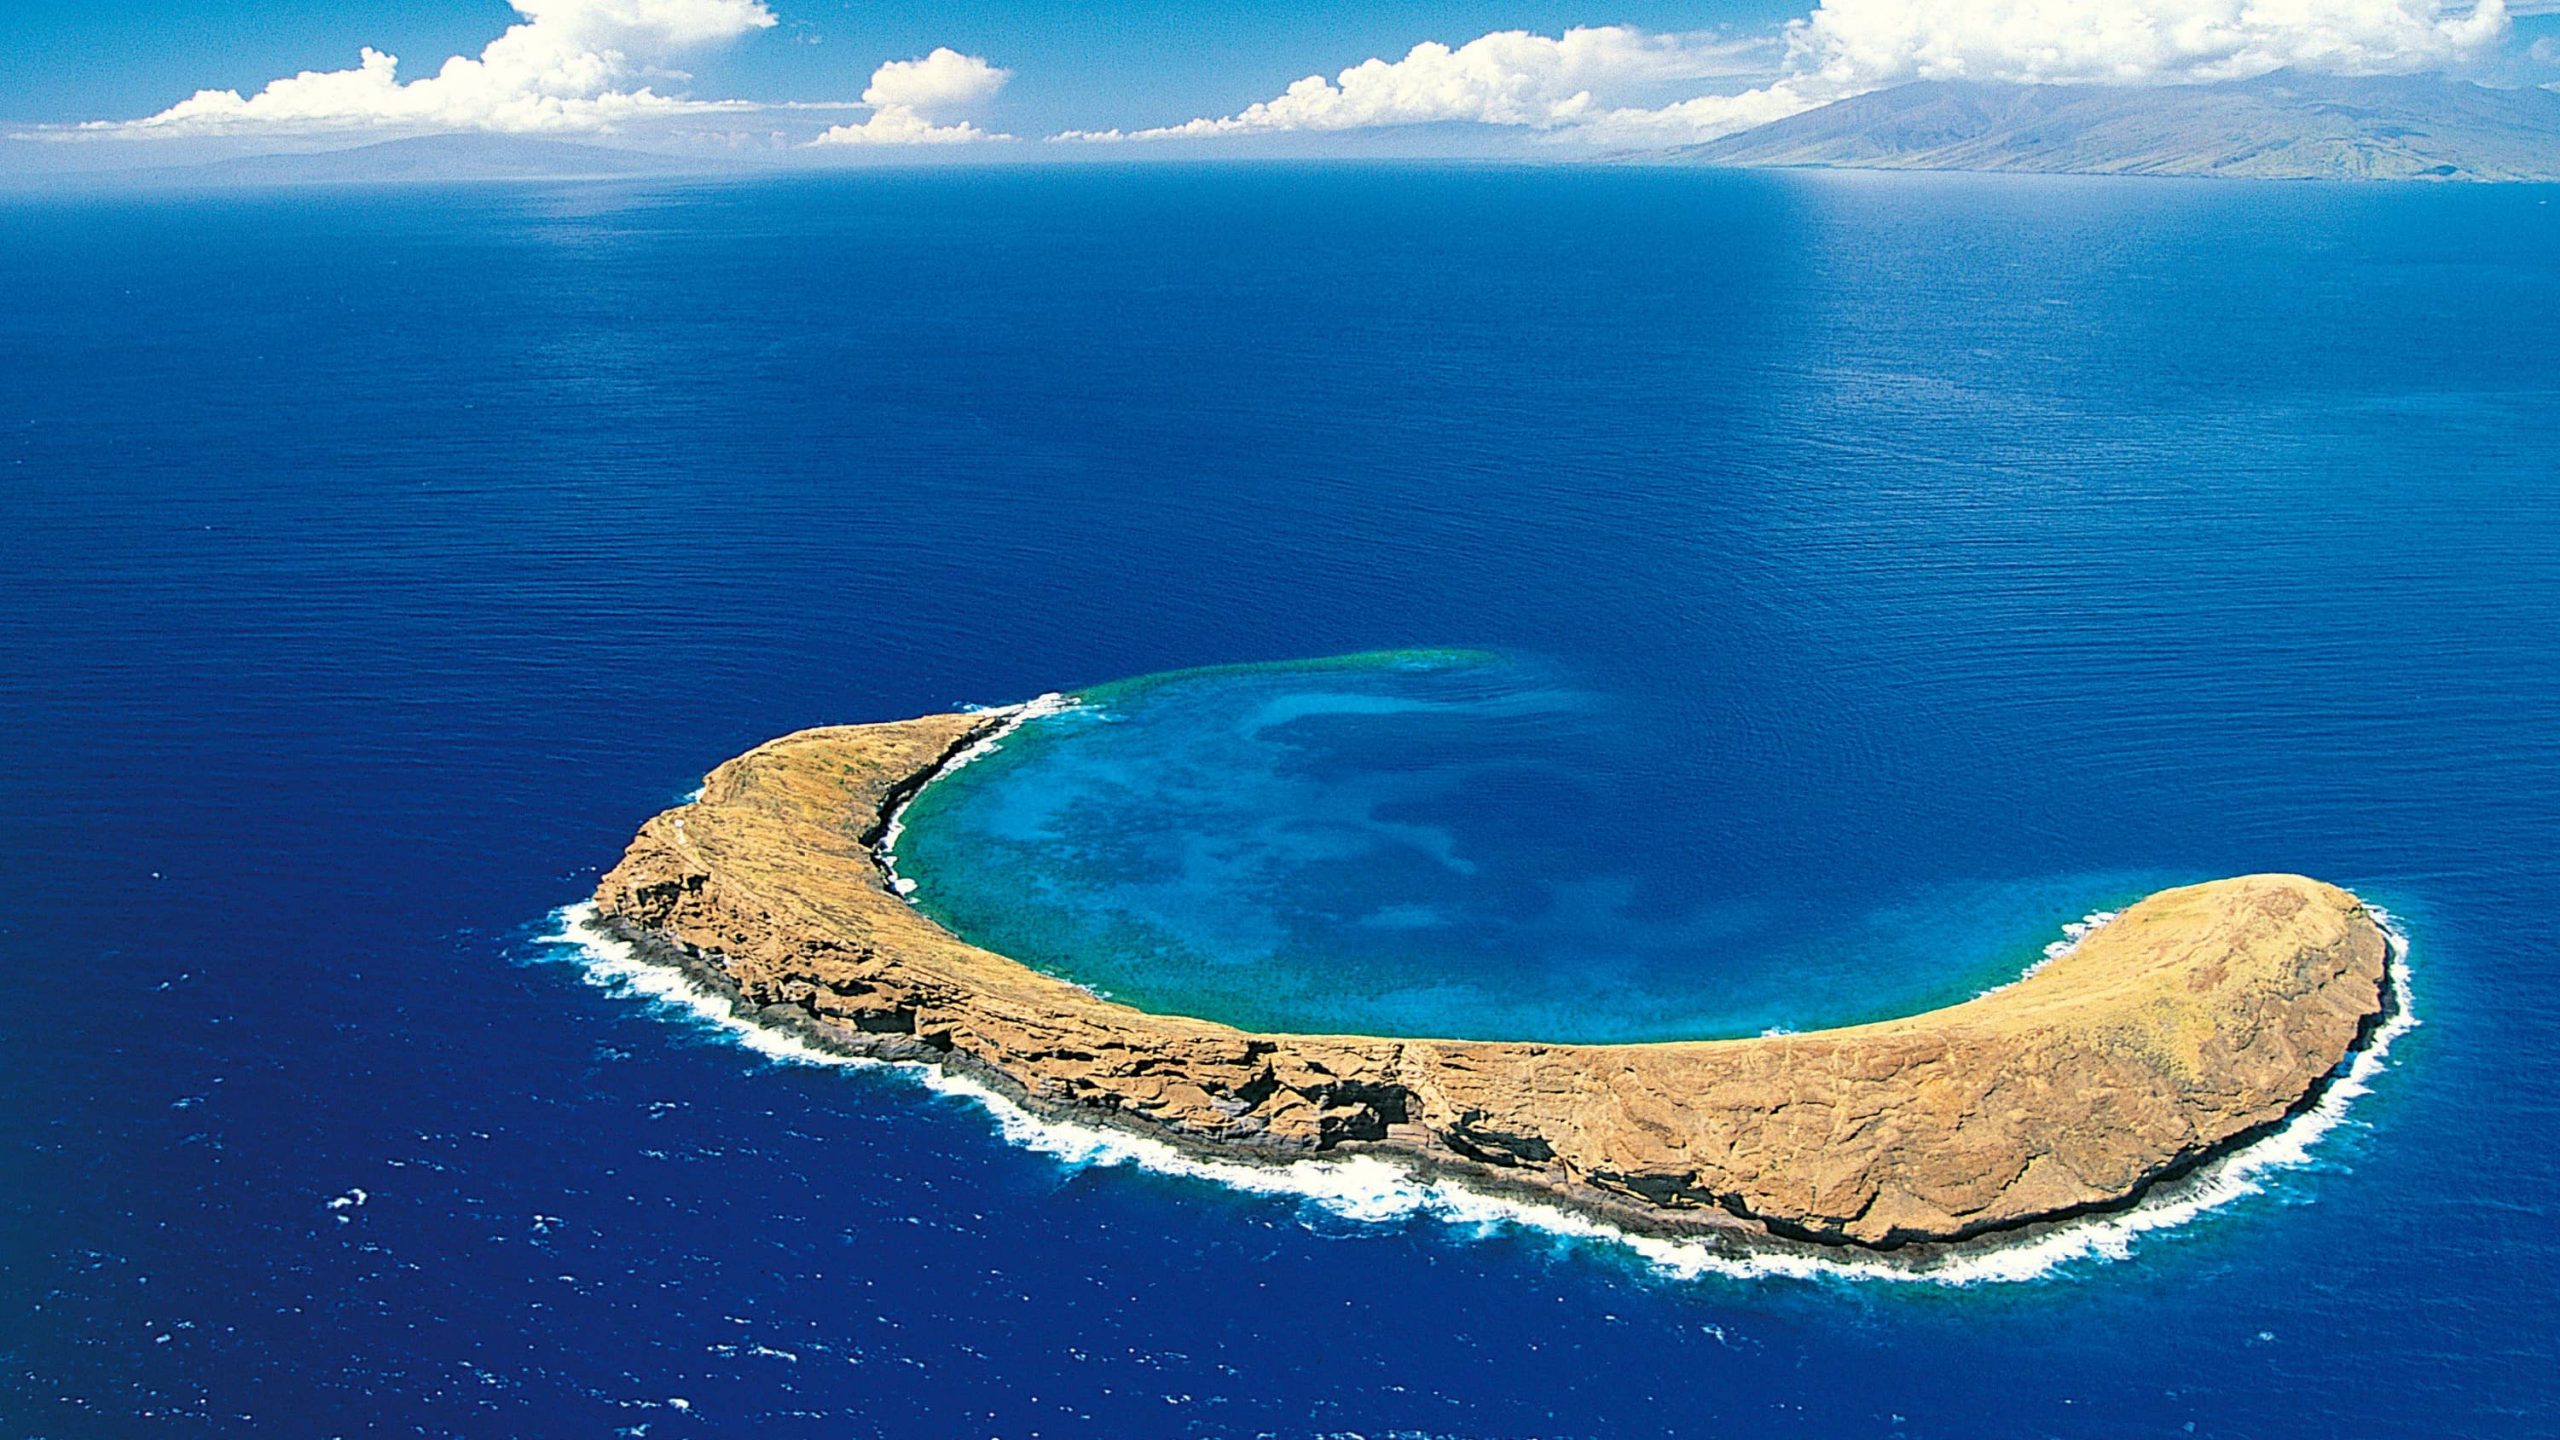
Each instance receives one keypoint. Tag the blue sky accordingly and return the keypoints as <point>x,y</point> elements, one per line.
<point>1136,61</point>
<point>907,76</point>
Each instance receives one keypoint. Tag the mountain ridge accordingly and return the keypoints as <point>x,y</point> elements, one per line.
<point>415,159</point>
<point>2286,125</point>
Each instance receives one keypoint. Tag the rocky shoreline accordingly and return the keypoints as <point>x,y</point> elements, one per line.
<point>2199,1021</point>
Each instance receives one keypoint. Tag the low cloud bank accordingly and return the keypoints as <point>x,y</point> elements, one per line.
<point>600,66</point>
<point>1588,85</point>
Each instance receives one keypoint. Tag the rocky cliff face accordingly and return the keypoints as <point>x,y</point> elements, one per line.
<point>2197,1019</point>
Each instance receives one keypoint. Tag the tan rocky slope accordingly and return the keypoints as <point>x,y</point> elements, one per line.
<point>2197,1019</point>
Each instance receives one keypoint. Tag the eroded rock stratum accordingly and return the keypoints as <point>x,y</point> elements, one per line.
<point>2198,1019</point>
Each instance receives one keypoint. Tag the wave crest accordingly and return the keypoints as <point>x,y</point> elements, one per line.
<point>1374,1190</point>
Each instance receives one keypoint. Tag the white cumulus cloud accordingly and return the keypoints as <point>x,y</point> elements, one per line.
<point>569,65</point>
<point>1862,44</point>
<point>925,102</point>
<point>1705,117</point>
<point>1602,85</point>
<point>1510,77</point>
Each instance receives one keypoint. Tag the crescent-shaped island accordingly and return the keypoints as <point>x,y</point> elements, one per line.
<point>2199,1020</point>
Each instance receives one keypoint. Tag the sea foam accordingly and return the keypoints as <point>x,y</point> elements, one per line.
<point>2073,934</point>
<point>1377,1190</point>
<point>1015,717</point>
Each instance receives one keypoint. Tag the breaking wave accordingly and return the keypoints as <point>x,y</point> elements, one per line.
<point>1371,1189</point>
<point>2073,934</point>
<point>1015,717</point>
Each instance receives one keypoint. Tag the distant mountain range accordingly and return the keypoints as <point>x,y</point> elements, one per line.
<point>448,157</point>
<point>424,158</point>
<point>2280,126</point>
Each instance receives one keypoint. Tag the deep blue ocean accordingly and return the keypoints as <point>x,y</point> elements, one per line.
<point>1870,575</point>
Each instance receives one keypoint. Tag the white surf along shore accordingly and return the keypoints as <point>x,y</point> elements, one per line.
<point>1381,1191</point>
<point>1376,1190</point>
<point>1015,717</point>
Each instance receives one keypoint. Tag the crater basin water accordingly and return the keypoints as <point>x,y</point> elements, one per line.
<point>1429,842</point>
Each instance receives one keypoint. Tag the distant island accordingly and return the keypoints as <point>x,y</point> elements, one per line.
<point>2196,1021</point>
<point>2289,125</point>
<point>2284,126</point>
<point>411,160</point>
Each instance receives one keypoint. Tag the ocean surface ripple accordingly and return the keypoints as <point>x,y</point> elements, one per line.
<point>1915,565</point>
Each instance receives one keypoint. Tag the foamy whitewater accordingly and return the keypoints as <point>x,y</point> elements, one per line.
<point>1379,1191</point>
<point>1016,716</point>
<point>2073,933</point>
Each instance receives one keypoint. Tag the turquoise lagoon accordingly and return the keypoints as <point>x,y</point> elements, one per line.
<point>1431,842</point>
